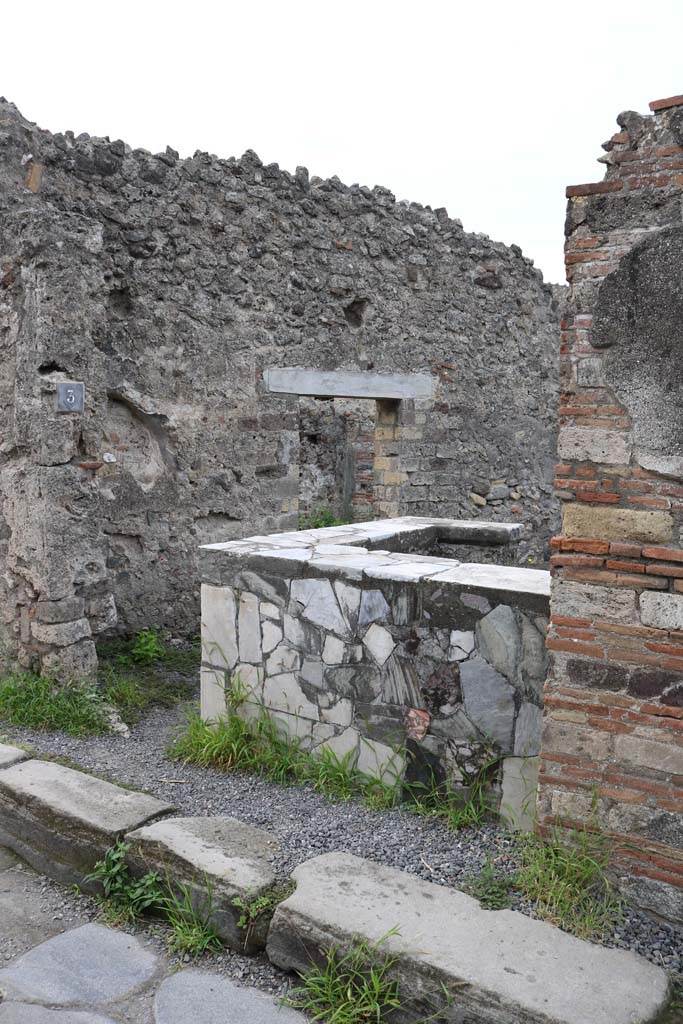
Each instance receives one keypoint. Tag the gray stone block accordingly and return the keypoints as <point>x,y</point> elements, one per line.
<point>28,1013</point>
<point>500,966</point>
<point>489,701</point>
<point>61,821</point>
<point>87,966</point>
<point>11,755</point>
<point>500,640</point>
<point>229,856</point>
<point>197,997</point>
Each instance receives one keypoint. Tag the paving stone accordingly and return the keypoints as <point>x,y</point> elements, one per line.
<point>87,966</point>
<point>28,1013</point>
<point>515,970</point>
<point>11,755</point>
<point>489,701</point>
<point>202,998</point>
<point>230,855</point>
<point>61,821</point>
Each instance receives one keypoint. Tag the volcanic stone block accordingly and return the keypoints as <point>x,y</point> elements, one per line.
<point>117,964</point>
<point>616,523</point>
<point>500,966</point>
<point>218,860</point>
<point>664,611</point>
<point>206,998</point>
<point>62,821</point>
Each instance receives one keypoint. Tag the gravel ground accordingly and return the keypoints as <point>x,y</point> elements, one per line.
<point>307,825</point>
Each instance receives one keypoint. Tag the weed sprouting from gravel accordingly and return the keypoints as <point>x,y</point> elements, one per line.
<point>355,987</point>
<point>490,887</point>
<point>564,875</point>
<point>252,741</point>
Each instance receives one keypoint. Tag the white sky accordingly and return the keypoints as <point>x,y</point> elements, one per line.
<point>488,108</point>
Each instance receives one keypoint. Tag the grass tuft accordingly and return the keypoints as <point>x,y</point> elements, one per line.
<point>349,988</point>
<point>320,519</point>
<point>38,702</point>
<point>491,888</point>
<point>257,745</point>
<point>564,875</point>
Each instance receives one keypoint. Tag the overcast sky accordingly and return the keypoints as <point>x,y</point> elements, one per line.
<point>487,108</point>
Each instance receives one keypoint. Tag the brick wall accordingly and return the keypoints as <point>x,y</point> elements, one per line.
<point>613,728</point>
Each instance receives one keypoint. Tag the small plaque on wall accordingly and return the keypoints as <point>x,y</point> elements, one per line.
<point>70,396</point>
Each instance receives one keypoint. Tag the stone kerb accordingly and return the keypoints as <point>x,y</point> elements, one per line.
<point>498,967</point>
<point>381,653</point>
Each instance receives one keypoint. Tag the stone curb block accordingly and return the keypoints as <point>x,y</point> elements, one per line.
<point>62,821</point>
<point>11,755</point>
<point>501,967</point>
<point>216,860</point>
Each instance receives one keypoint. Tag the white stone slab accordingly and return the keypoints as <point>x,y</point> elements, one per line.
<point>249,623</point>
<point>379,643</point>
<point>498,577</point>
<point>299,380</point>
<point>212,694</point>
<point>219,636</point>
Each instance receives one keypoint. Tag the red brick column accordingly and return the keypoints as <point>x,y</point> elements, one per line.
<point>613,727</point>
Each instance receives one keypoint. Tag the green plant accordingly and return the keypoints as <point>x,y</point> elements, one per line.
<point>457,809</point>
<point>564,875</point>
<point>320,519</point>
<point>255,909</point>
<point>39,702</point>
<point>147,647</point>
<point>491,888</point>
<point>131,695</point>
<point>191,931</point>
<point>125,897</point>
<point>350,988</point>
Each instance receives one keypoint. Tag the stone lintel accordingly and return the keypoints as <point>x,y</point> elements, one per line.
<point>348,383</point>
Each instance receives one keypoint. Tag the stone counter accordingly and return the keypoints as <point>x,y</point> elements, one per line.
<point>357,639</point>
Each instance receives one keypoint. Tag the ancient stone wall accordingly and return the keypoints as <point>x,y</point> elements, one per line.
<point>168,286</point>
<point>612,751</point>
